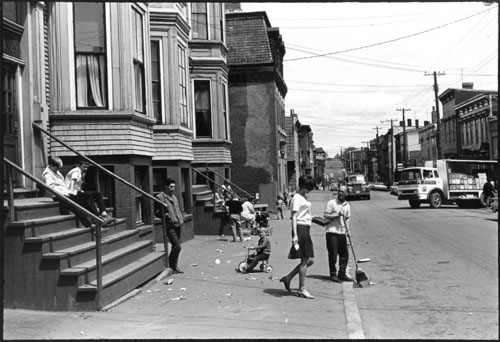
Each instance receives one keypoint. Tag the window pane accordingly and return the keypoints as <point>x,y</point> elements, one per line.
<point>155,80</point>
<point>89,27</point>
<point>199,20</point>
<point>11,11</point>
<point>202,109</point>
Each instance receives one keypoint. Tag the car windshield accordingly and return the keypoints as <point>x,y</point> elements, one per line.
<point>356,179</point>
<point>411,174</point>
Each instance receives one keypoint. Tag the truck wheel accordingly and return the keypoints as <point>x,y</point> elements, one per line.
<point>414,204</point>
<point>435,200</point>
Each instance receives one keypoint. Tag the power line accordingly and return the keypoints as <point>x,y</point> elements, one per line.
<point>391,40</point>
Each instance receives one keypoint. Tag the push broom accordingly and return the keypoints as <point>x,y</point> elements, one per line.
<point>361,278</point>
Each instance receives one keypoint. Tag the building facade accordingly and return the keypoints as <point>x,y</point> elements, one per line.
<point>257,93</point>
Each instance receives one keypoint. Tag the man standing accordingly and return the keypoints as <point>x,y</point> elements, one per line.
<point>338,211</point>
<point>174,220</point>
<point>488,192</point>
<point>235,208</point>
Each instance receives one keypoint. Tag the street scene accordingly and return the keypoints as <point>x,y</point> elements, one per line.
<point>434,276</point>
<point>227,170</point>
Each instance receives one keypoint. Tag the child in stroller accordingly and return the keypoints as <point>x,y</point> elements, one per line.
<point>262,220</point>
<point>263,251</point>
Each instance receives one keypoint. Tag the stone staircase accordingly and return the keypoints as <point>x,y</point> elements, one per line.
<point>52,259</point>
<point>210,220</point>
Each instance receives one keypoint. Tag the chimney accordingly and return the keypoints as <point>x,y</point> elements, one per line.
<point>409,122</point>
<point>467,85</point>
<point>292,111</point>
<point>416,123</point>
<point>233,7</point>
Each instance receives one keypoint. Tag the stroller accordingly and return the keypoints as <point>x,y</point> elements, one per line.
<point>262,220</point>
<point>264,265</point>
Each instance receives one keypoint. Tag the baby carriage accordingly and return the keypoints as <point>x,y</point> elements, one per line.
<point>251,254</point>
<point>262,220</point>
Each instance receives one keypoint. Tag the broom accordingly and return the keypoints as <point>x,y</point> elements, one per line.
<point>361,278</point>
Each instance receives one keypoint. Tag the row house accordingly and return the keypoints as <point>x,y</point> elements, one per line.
<point>319,164</point>
<point>292,125</point>
<point>257,93</point>
<point>477,136</point>
<point>449,137</point>
<point>140,88</point>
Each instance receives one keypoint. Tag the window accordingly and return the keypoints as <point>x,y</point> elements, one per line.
<point>199,18</point>
<point>90,54</point>
<point>216,23</point>
<point>12,11</point>
<point>156,80</point>
<point>138,57</point>
<point>183,106</point>
<point>203,114</point>
<point>9,103</point>
<point>224,111</point>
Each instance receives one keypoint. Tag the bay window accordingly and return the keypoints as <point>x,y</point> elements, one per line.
<point>183,104</point>
<point>199,18</point>
<point>156,80</point>
<point>203,113</point>
<point>90,55</point>
<point>138,58</point>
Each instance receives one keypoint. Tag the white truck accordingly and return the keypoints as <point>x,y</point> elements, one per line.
<point>446,181</point>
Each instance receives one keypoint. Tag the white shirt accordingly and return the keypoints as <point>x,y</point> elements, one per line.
<point>337,225</point>
<point>302,207</point>
<point>74,175</point>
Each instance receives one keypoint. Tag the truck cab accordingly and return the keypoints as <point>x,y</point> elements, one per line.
<point>357,187</point>
<point>421,185</point>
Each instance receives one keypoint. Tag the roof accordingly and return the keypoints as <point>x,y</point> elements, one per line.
<point>247,39</point>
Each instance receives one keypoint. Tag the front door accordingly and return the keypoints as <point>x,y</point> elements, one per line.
<point>10,117</point>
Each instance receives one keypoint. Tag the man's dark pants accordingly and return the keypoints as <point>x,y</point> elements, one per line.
<point>174,236</point>
<point>337,244</point>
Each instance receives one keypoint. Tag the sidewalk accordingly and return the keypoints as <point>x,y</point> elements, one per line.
<point>211,300</point>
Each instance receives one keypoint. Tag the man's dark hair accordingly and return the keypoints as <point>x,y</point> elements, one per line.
<point>168,181</point>
<point>54,161</point>
<point>307,182</point>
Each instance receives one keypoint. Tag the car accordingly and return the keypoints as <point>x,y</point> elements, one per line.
<point>370,185</point>
<point>379,186</point>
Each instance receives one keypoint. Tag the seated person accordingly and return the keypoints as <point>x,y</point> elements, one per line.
<point>75,180</point>
<point>217,199</point>
<point>248,213</point>
<point>263,251</point>
<point>55,180</point>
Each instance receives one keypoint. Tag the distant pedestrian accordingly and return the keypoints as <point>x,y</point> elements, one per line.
<point>488,192</point>
<point>301,217</point>
<point>248,213</point>
<point>227,191</point>
<point>235,208</point>
<point>174,221</point>
<point>279,206</point>
<point>338,211</point>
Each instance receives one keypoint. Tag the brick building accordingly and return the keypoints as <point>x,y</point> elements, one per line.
<point>257,93</point>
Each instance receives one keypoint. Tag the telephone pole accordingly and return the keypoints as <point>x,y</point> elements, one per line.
<point>405,142</point>
<point>438,119</point>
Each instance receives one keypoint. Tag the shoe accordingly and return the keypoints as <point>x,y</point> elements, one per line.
<point>108,221</point>
<point>305,294</point>
<point>335,279</point>
<point>286,282</point>
<point>177,270</point>
<point>344,277</point>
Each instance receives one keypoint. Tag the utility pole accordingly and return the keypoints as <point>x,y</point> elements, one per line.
<point>377,156</point>
<point>438,119</point>
<point>405,142</point>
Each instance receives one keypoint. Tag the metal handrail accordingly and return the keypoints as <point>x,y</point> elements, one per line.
<point>73,205</point>
<point>218,174</point>
<point>130,185</point>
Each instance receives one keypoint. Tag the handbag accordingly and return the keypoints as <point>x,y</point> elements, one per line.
<point>294,252</point>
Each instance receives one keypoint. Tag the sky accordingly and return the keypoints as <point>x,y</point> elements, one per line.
<point>350,66</point>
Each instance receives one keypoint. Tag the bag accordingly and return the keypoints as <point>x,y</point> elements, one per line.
<point>294,252</point>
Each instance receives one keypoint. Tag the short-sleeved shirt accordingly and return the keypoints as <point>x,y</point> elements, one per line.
<point>302,206</point>
<point>75,175</point>
<point>337,225</point>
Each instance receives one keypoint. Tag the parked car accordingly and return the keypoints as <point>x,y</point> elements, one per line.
<point>394,189</point>
<point>379,186</point>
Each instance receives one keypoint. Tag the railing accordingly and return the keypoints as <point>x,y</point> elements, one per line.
<point>147,195</point>
<point>249,195</point>
<point>69,202</point>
